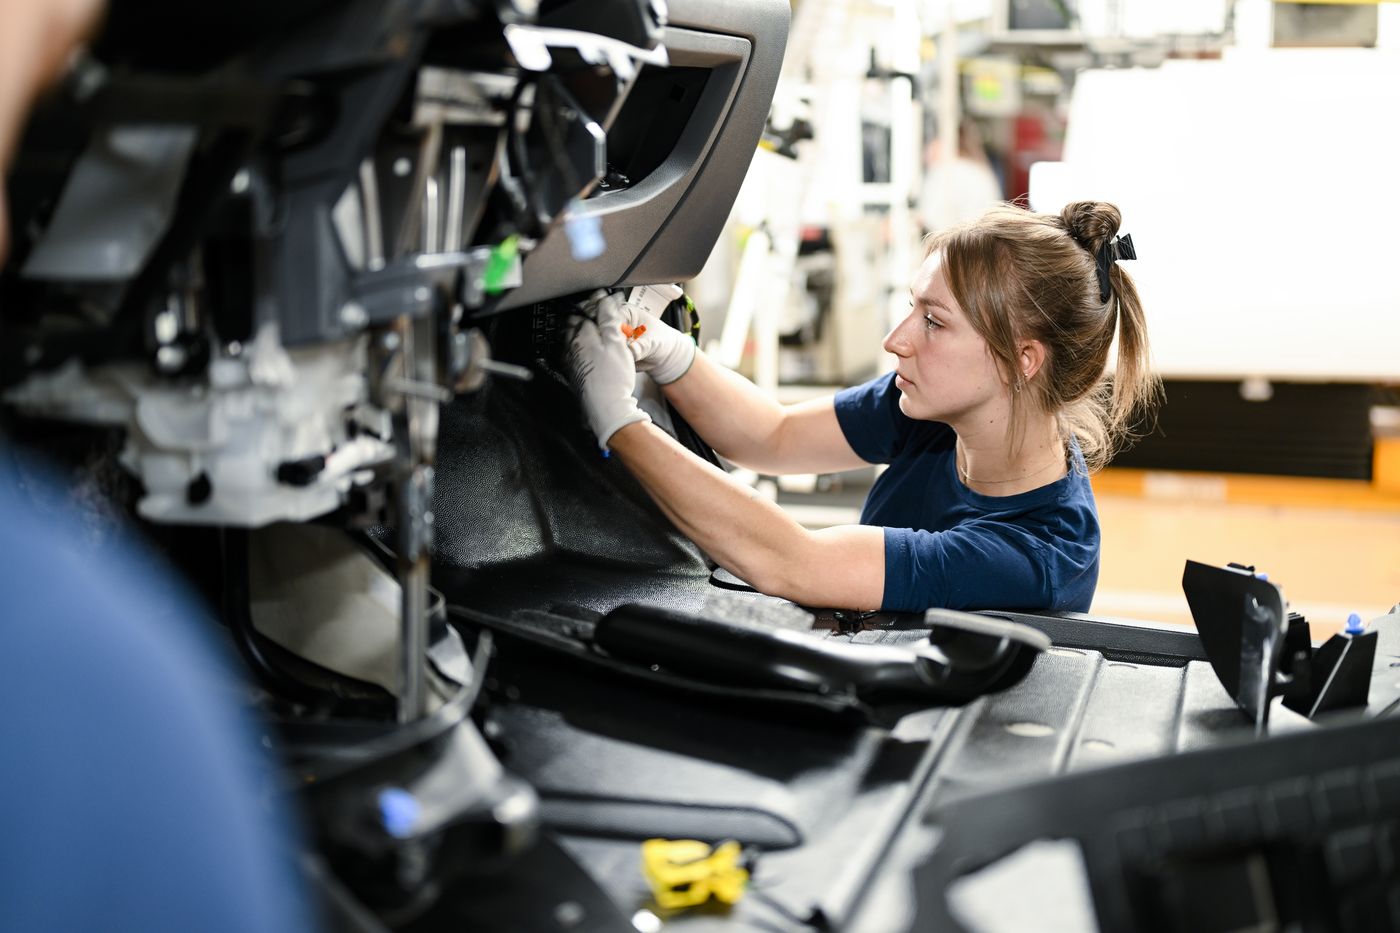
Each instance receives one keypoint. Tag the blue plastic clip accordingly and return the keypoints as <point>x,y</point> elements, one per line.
<point>399,811</point>
<point>585,233</point>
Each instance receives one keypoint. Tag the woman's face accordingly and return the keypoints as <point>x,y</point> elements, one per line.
<point>944,370</point>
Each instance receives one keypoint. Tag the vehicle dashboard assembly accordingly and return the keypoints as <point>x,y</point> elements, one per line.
<point>260,251</point>
<point>287,291</point>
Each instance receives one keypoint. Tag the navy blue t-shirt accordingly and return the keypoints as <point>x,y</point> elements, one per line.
<point>950,547</point>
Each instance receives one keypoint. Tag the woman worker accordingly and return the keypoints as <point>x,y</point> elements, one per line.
<point>997,410</point>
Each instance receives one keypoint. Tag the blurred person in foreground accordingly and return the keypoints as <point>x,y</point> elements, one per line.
<point>131,793</point>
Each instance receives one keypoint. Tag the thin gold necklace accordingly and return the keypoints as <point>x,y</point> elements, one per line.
<point>960,459</point>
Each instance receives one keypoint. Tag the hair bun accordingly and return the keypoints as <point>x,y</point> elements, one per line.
<point>1091,223</point>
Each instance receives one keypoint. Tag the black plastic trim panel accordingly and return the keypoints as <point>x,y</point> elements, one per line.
<point>662,228</point>
<point>1172,645</point>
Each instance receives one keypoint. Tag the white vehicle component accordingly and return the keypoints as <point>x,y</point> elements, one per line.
<point>270,435</point>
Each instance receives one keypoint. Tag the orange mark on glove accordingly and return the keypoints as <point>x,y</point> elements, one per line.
<point>632,333</point>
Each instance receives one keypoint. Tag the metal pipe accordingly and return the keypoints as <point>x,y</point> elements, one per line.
<point>430,216</point>
<point>413,693</point>
<point>428,152</point>
<point>369,203</point>
<point>415,440</point>
<point>456,198</point>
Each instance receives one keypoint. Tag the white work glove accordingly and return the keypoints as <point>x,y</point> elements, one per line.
<point>660,350</point>
<point>601,368</point>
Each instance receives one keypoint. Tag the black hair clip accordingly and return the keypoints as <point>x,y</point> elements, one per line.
<point>1120,247</point>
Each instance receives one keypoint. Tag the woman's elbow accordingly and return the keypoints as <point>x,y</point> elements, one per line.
<point>804,578</point>
<point>773,571</point>
<point>841,567</point>
<point>764,576</point>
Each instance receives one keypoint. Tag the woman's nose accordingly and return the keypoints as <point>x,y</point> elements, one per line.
<point>895,341</point>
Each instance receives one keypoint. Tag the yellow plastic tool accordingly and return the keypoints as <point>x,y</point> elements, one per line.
<point>687,872</point>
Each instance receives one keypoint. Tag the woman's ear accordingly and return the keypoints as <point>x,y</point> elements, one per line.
<point>1030,357</point>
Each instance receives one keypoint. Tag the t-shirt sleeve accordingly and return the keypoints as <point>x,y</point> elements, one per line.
<point>980,565</point>
<point>870,418</point>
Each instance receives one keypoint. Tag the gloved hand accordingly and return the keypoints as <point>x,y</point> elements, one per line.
<point>660,350</point>
<point>601,368</point>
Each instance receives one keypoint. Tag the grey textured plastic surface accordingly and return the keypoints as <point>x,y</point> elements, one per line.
<point>116,205</point>
<point>674,764</point>
<point>831,870</point>
<point>1322,805</point>
<point>1077,710</point>
<point>511,488</point>
<point>1094,712</point>
<point>1384,697</point>
<point>663,228</point>
<point>1115,637</point>
<point>616,763</point>
<point>690,783</point>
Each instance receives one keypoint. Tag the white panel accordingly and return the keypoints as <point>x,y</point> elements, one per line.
<point>1258,192</point>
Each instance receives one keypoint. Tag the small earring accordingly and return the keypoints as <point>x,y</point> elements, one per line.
<point>1018,385</point>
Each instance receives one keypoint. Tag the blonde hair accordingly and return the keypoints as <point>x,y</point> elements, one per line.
<point>1023,276</point>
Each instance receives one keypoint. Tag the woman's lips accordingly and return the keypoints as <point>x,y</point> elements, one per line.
<point>901,383</point>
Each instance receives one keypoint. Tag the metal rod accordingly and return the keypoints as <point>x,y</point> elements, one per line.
<point>413,696</point>
<point>429,391</point>
<point>428,152</point>
<point>369,202</point>
<point>509,370</point>
<point>430,216</point>
<point>415,441</point>
<point>456,198</point>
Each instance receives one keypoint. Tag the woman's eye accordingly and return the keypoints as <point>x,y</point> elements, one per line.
<point>931,324</point>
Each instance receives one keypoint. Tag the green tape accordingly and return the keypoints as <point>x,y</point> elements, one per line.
<point>499,265</point>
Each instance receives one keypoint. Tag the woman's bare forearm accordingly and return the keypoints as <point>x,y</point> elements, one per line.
<point>749,428</point>
<point>749,535</point>
<point>732,414</point>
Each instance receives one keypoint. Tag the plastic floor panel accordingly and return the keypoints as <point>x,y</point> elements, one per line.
<point>616,764</point>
